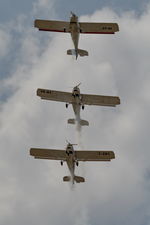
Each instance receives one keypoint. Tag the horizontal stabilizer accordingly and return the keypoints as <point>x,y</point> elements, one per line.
<point>66,178</point>
<point>71,52</point>
<point>84,123</point>
<point>82,52</point>
<point>72,121</point>
<point>79,179</point>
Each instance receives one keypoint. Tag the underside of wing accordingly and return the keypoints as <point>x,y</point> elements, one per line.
<point>99,28</point>
<point>100,100</point>
<point>55,95</point>
<point>39,153</point>
<point>51,25</point>
<point>94,155</point>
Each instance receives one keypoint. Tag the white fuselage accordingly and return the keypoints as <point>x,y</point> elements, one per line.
<point>70,159</point>
<point>75,31</point>
<point>77,105</point>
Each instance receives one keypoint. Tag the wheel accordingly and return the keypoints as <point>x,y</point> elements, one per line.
<point>77,163</point>
<point>66,105</point>
<point>61,163</point>
<point>83,107</point>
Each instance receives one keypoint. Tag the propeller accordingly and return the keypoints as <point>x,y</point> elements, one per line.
<point>70,143</point>
<point>72,14</point>
<point>78,85</point>
<point>74,86</point>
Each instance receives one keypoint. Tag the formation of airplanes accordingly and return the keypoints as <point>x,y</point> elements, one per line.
<point>75,28</point>
<point>75,98</point>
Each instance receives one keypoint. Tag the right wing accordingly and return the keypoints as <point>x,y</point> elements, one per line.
<point>55,95</point>
<point>99,28</point>
<point>51,25</point>
<point>39,153</point>
<point>100,100</point>
<point>94,155</point>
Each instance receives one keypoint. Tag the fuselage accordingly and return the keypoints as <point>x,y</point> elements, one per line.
<point>70,159</point>
<point>75,31</point>
<point>77,105</point>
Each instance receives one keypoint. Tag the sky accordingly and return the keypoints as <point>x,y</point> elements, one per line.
<point>32,191</point>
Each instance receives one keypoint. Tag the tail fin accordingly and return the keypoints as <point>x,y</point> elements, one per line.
<point>82,122</point>
<point>67,178</point>
<point>79,179</point>
<point>80,52</point>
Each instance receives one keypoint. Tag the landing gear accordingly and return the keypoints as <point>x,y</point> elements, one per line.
<point>66,105</point>
<point>83,107</point>
<point>61,163</point>
<point>77,163</point>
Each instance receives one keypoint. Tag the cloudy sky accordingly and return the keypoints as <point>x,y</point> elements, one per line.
<point>32,191</point>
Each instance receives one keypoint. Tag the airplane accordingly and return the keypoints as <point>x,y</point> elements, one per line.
<point>78,101</point>
<point>75,28</point>
<point>72,158</point>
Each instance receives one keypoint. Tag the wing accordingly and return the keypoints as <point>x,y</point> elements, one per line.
<point>39,153</point>
<point>51,25</point>
<point>94,155</point>
<point>100,100</point>
<point>55,95</point>
<point>99,28</point>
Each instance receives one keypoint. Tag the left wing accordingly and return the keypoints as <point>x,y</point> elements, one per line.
<point>99,28</point>
<point>52,25</point>
<point>94,155</point>
<point>39,153</point>
<point>100,100</point>
<point>55,95</point>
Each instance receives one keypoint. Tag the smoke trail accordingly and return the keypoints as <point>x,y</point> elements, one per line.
<point>80,141</point>
<point>79,132</point>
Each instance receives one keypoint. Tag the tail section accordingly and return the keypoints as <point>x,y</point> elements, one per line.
<point>79,179</point>
<point>77,52</point>
<point>81,122</point>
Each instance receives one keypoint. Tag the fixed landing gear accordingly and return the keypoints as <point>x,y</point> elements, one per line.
<point>66,105</point>
<point>61,163</point>
<point>77,163</point>
<point>82,107</point>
